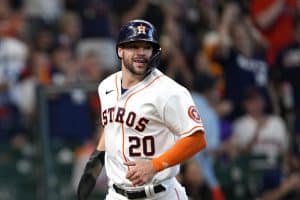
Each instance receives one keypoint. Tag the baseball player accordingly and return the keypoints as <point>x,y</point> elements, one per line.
<point>150,122</point>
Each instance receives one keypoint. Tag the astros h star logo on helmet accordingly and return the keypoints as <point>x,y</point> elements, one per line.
<point>141,29</point>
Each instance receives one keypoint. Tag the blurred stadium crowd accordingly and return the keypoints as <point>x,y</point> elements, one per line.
<point>240,59</point>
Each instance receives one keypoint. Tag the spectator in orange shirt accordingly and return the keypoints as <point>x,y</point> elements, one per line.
<point>274,18</point>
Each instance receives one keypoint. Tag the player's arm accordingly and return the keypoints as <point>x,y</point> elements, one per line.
<point>141,171</point>
<point>182,150</point>
<point>178,110</point>
<point>92,170</point>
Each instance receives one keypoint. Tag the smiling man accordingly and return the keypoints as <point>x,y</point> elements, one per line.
<point>150,124</point>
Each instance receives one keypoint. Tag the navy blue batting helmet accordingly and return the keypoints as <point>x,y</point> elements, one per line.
<point>138,30</point>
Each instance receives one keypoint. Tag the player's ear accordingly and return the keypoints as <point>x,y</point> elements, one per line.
<point>120,52</point>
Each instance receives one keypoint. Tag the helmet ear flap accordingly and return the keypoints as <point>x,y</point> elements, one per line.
<point>155,59</point>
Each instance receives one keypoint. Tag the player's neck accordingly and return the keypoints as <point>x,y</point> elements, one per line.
<point>129,80</point>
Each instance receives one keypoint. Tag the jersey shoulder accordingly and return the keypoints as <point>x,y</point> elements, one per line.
<point>169,86</point>
<point>108,83</point>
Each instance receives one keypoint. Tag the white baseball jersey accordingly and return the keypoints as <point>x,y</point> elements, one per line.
<point>144,122</point>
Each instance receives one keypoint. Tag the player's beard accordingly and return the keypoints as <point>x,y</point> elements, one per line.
<point>132,67</point>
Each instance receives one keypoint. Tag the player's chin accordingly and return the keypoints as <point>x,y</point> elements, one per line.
<point>141,68</point>
<point>140,73</point>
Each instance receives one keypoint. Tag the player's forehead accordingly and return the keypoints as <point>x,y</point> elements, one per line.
<point>136,44</point>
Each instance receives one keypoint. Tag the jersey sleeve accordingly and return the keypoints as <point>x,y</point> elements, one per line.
<point>180,114</point>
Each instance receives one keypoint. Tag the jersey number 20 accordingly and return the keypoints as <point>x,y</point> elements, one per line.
<point>141,146</point>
